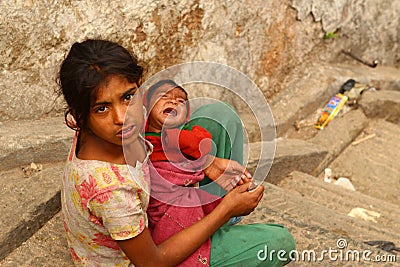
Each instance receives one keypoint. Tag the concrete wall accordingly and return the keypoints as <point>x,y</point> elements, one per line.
<point>270,41</point>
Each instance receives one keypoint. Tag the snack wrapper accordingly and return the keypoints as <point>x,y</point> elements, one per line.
<point>330,110</point>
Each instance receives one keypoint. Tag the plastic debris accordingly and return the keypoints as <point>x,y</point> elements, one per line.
<point>349,93</point>
<point>31,169</point>
<point>354,93</point>
<point>345,183</point>
<point>327,175</point>
<point>364,214</point>
<point>334,105</point>
<point>341,181</point>
<point>330,110</point>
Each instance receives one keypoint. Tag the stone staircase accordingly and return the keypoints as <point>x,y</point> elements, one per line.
<point>296,196</point>
<point>30,193</point>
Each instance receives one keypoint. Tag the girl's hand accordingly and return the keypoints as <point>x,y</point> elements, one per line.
<point>240,202</point>
<point>142,251</point>
<point>226,173</point>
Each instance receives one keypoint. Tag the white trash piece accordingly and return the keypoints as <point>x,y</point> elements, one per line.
<point>364,214</point>
<point>327,176</point>
<point>345,182</point>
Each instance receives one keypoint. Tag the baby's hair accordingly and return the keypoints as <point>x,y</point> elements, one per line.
<point>89,66</point>
<point>152,88</point>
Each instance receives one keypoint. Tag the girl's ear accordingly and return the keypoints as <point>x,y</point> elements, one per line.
<point>70,120</point>
<point>139,83</point>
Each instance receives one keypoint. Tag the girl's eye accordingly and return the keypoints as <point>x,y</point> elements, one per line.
<point>129,97</point>
<point>182,101</point>
<point>101,109</point>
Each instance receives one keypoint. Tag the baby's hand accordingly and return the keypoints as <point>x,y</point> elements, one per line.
<point>227,173</point>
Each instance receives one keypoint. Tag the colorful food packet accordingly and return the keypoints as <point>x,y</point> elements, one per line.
<point>349,92</point>
<point>330,110</point>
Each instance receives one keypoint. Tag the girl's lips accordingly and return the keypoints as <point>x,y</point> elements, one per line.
<point>126,132</point>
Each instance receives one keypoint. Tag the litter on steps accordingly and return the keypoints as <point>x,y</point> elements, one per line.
<point>341,181</point>
<point>364,214</point>
<point>349,93</point>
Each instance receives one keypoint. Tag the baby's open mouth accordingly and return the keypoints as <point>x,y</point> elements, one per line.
<point>170,112</point>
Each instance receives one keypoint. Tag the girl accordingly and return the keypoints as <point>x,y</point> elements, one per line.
<point>105,194</point>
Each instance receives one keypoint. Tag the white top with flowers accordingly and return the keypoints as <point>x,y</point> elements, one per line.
<point>103,202</point>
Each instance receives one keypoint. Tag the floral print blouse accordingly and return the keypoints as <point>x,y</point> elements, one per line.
<point>103,202</point>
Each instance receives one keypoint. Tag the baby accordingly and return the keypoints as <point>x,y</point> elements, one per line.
<point>179,156</point>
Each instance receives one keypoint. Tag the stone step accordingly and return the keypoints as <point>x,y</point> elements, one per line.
<point>339,134</point>
<point>39,141</point>
<point>28,200</point>
<point>371,163</point>
<point>290,155</point>
<point>311,233</point>
<point>384,104</point>
<point>46,248</point>
<point>340,199</point>
<point>309,213</point>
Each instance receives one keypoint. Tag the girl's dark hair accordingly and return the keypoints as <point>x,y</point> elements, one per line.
<point>87,67</point>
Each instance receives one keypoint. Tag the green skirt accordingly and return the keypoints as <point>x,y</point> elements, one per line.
<point>226,129</point>
<point>251,245</point>
<point>239,245</point>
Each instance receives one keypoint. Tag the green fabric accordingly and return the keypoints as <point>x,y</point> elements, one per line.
<point>225,126</point>
<point>237,245</point>
<point>152,134</point>
<point>250,245</point>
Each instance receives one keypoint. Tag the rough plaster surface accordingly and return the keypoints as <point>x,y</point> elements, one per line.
<point>368,28</point>
<point>270,41</point>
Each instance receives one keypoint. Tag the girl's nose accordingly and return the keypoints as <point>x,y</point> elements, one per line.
<point>119,115</point>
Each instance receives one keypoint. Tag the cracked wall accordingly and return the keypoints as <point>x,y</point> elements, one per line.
<point>270,41</point>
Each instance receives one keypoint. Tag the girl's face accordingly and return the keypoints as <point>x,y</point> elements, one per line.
<point>110,120</point>
<point>168,108</point>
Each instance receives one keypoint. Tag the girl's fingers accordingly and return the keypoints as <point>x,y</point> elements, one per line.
<point>236,167</point>
<point>236,179</point>
<point>232,184</point>
<point>242,188</point>
<point>260,190</point>
<point>247,174</point>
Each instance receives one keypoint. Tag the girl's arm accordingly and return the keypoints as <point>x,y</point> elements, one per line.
<point>142,251</point>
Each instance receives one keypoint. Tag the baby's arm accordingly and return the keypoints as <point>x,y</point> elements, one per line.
<point>194,143</point>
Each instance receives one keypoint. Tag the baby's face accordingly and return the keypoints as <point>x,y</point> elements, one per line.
<point>168,108</point>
